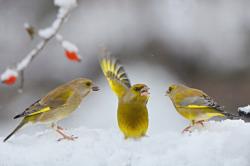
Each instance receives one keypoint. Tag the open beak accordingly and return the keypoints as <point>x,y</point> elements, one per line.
<point>145,91</point>
<point>95,88</point>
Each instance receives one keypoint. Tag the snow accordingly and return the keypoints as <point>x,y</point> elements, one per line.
<point>26,25</point>
<point>218,143</point>
<point>62,12</point>
<point>67,4</point>
<point>8,72</point>
<point>65,7</point>
<point>59,37</point>
<point>46,33</point>
<point>24,63</point>
<point>69,46</point>
<point>50,31</point>
<point>245,109</point>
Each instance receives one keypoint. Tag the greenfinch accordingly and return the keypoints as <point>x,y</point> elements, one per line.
<point>195,105</point>
<point>132,114</point>
<point>56,105</point>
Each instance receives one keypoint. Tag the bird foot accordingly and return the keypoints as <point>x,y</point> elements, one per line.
<point>60,128</point>
<point>187,129</point>
<point>201,122</point>
<point>56,127</point>
<point>66,137</point>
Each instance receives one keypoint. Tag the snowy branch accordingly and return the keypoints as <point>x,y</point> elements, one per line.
<point>10,75</point>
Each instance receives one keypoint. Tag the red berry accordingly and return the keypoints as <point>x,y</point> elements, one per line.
<point>11,80</point>
<point>73,56</point>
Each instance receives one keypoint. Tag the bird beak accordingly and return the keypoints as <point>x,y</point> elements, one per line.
<point>145,91</point>
<point>95,88</point>
<point>166,94</point>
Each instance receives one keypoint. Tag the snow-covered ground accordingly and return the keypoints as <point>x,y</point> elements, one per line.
<point>219,143</point>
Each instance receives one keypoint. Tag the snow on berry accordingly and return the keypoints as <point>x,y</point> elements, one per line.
<point>71,51</point>
<point>9,77</point>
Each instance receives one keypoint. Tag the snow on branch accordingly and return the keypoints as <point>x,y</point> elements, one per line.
<point>244,111</point>
<point>10,75</point>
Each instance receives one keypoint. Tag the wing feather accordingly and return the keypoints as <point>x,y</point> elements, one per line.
<point>115,74</point>
<point>200,102</point>
<point>53,100</point>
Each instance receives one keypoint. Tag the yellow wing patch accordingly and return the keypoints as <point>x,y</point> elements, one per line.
<point>214,114</point>
<point>115,74</point>
<point>196,106</point>
<point>46,109</point>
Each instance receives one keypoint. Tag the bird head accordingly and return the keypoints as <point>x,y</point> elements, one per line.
<point>84,85</point>
<point>138,93</point>
<point>140,90</point>
<point>172,89</point>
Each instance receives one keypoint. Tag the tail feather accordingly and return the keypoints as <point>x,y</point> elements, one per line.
<point>19,116</point>
<point>21,124</point>
<point>231,116</point>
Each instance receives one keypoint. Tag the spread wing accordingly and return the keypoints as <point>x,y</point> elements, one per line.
<point>115,74</point>
<point>53,100</point>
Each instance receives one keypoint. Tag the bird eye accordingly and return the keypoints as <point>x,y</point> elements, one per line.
<point>88,83</point>
<point>137,88</point>
<point>170,89</point>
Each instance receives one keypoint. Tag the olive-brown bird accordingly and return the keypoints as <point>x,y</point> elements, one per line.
<point>57,105</point>
<point>132,112</point>
<point>195,105</point>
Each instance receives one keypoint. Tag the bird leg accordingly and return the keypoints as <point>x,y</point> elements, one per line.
<point>193,123</point>
<point>60,130</point>
<point>187,129</point>
<point>201,122</point>
<point>65,136</point>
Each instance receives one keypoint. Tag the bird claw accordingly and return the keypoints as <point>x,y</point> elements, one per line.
<point>187,129</point>
<point>60,128</point>
<point>69,138</point>
<point>200,122</point>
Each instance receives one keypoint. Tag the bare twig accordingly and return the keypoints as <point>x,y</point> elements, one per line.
<point>20,89</point>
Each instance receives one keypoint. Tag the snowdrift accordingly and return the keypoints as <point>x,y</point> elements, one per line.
<point>218,143</point>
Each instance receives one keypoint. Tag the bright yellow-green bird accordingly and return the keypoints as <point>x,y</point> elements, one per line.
<point>195,105</point>
<point>57,105</point>
<point>132,111</point>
